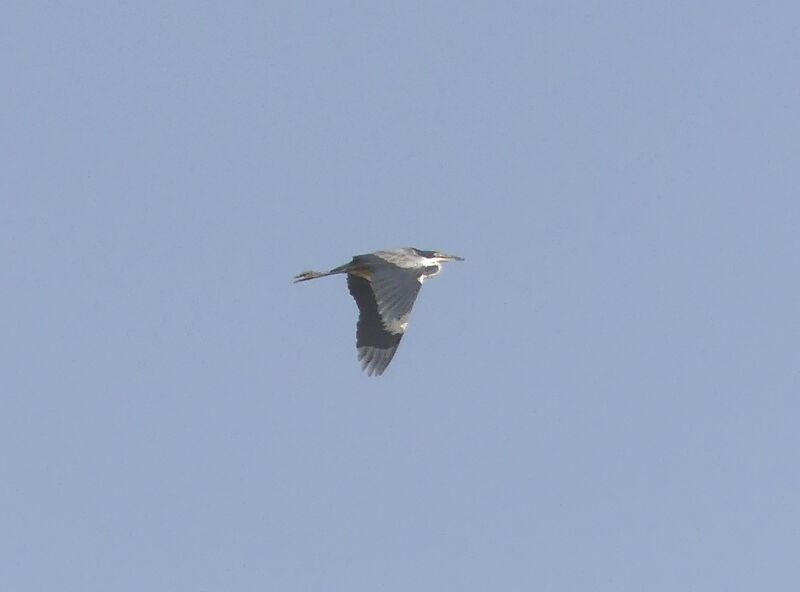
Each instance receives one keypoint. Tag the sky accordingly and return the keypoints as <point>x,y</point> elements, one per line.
<point>602,396</point>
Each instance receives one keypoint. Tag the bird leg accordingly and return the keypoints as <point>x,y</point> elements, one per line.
<point>346,268</point>
<point>312,275</point>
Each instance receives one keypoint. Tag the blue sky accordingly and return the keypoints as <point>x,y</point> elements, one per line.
<point>603,396</point>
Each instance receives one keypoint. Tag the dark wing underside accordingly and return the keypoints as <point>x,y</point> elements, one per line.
<point>375,343</point>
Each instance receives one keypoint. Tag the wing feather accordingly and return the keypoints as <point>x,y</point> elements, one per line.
<point>375,344</point>
<point>395,293</point>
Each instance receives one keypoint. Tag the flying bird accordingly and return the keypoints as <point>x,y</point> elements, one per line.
<point>384,285</point>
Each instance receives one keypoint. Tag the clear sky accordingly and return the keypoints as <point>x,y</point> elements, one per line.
<point>603,396</point>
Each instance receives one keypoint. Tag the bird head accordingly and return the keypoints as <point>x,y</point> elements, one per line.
<point>437,257</point>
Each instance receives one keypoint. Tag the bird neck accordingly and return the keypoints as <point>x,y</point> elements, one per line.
<point>431,269</point>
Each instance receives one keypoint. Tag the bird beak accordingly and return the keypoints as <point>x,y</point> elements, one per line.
<point>450,257</point>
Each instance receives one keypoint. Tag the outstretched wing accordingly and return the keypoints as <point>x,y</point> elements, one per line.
<point>383,316</point>
<point>395,292</point>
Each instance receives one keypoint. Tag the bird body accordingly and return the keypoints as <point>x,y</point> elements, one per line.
<point>384,285</point>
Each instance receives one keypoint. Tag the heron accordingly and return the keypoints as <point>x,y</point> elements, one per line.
<point>384,285</point>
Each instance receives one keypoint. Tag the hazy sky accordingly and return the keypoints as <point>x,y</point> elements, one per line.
<point>603,396</point>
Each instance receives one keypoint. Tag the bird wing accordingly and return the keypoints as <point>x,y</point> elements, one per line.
<point>377,340</point>
<point>395,293</point>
